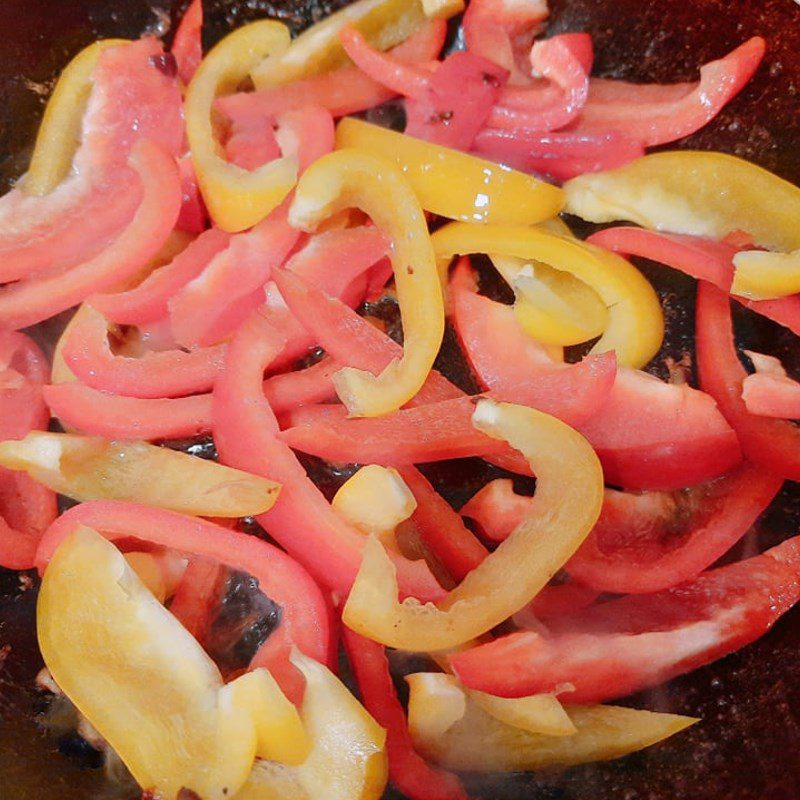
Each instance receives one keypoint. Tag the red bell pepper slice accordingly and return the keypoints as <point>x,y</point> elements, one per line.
<point>252,142</point>
<point>166,373</point>
<point>516,368</point>
<point>565,61</point>
<point>613,649</point>
<point>644,117</point>
<point>648,542</point>
<point>311,385</point>
<point>196,595</point>
<point>497,509</point>
<point>26,507</point>
<point>148,301</point>
<point>770,392</point>
<point>699,258</point>
<point>772,443</point>
<point>503,30</point>
<point>31,301</point>
<point>342,91</point>
<point>408,771</point>
<point>558,599</point>
<point>683,440</point>
<point>199,312</point>
<point>560,155</point>
<point>187,46</point>
<point>301,520</point>
<point>193,217</point>
<point>114,416</point>
<point>305,620</point>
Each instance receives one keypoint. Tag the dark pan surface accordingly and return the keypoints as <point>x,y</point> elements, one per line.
<point>747,746</point>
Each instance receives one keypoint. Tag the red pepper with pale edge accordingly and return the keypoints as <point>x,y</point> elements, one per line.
<point>615,648</point>
<point>683,440</point>
<point>26,507</point>
<point>342,91</point>
<point>305,618</point>
<point>408,771</point>
<point>187,47</point>
<point>699,258</point>
<point>769,391</point>
<point>28,302</point>
<point>497,509</point>
<point>773,444</point>
<point>301,520</point>
<point>651,117</point>
<point>148,301</point>
<point>193,217</point>
<point>196,595</point>
<point>166,373</point>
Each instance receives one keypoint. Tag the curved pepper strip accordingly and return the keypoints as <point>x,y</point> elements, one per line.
<point>772,443</point>
<point>235,198</point>
<point>305,617</point>
<point>302,520</point>
<point>454,184</point>
<point>196,596</point>
<point>187,46</point>
<point>619,647</point>
<point>569,497</point>
<point>166,373</point>
<point>408,771</point>
<point>636,322</point>
<point>350,178</point>
<point>28,302</point>
<point>770,392</point>
<point>765,276</point>
<point>60,128</point>
<point>133,660</point>
<point>385,23</point>
<point>451,729</point>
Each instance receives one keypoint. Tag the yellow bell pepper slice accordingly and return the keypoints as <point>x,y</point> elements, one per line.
<point>376,500</point>
<point>569,494</point>
<point>92,468</point>
<point>477,741</point>
<point>635,326</point>
<point>60,131</point>
<point>350,178</point>
<point>454,184</point>
<point>141,679</point>
<point>762,275</point>
<point>347,760</point>
<point>236,198</point>
<point>384,24</point>
<point>552,306</point>
<point>149,573</point>
<point>700,193</point>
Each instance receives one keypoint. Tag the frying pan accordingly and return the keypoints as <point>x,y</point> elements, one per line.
<point>747,746</point>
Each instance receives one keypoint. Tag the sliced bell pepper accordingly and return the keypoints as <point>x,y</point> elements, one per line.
<point>384,23</point>
<point>89,468</point>
<point>703,259</point>
<point>235,198</point>
<point>454,184</point>
<point>344,90</point>
<point>763,275</point>
<point>167,373</point>
<point>636,322</point>
<point>197,595</point>
<point>700,193</point>
<point>497,509</point>
<point>60,128</point>
<point>347,760</point>
<point>147,302</point>
<point>772,443</point>
<point>313,384</point>
<point>187,46</point>
<point>114,416</point>
<point>684,440</point>
<point>302,520</point>
<point>770,392</point>
<point>408,771</point>
<point>31,301</point>
<point>569,496</point>
<point>616,648</point>
<point>119,655</point>
<point>553,307</point>
<point>305,614</point>
<point>349,178</point>
<point>474,740</point>
<point>503,31</point>
<point>557,599</point>
<point>539,713</point>
<point>651,118</point>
